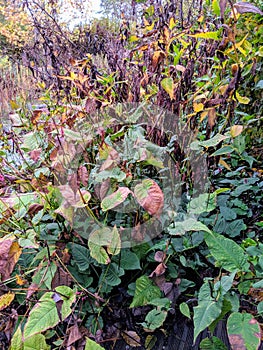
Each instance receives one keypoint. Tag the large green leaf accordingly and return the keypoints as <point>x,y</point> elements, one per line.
<point>129,260</point>
<point>81,256</point>
<point>45,314</point>
<point>180,227</point>
<point>227,253</point>
<point>103,242</point>
<point>36,342</point>
<point>16,341</point>
<point>243,331</point>
<point>205,202</point>
<point>207,311</point>
<point>115,199</point>
<point>112,275</point>
<point>145,291</point>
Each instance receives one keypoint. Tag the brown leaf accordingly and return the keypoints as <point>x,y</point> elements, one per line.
<point>160,270</point>
<point>34,209</point>
<point>222,6</point>
<point>244,7</point>
<point>138,233</point>
<point>159,256</point>
<point>35,154</point>
<point>31,290</point>
<point>131,338</point>
<point>9,254</point>
<point>150,196</point>
<point>74,334</point>
<point>61,278</point>
<point>83,175</point>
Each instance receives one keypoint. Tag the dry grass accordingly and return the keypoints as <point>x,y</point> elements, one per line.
<point>17,87</point>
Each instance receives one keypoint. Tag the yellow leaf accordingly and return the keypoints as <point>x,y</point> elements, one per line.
<point>198,107</point>
<point>236,130</point>
<point>203,115</point>
<point>172,23</point>
<point>6,300</point>
<point>242,99</point>
<point>168,86</point>
<point>225,165</point>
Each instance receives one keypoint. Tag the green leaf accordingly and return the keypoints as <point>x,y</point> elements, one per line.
<point>129,260</point>
<point>206,35</point>
<point>113,274</point>
<point>207,311</point>
<point>16,341</point>
<point>36,342</point>
<point>184,309</point>
<point>31,141</point>
<point>243,331</point>
<point>115,174</point>
<point>103,242</point>
<point>205,202</point>
<point>260,308</point>
<point>44,314</point>
<point>223,150</point>
<point>216,7</point>
<point>213,343</point>
<point>154,319</point>
<point>168,85</point>
<point>81,256</point>
<point>115,199</point>
<point>145,292</point>
<point>227,253</point>
<point>180,227</point>
<point>92,345</point>
<point>214,141</point>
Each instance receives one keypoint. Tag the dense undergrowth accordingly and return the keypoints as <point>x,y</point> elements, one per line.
<point>133,194</point>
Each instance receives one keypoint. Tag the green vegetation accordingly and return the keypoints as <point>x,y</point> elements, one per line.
<point>131,176</point>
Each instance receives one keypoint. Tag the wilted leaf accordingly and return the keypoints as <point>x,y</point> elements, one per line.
<point>242,99</point>
<point>168,86</point>
<point>6,300</point>
<point>103,242</point>
<point>131,338</point>
<point>115,199</point>
<point>74,334</point>
<point>244,7</point>
<point>236,130</point>
<point>243,331</point>
<point>160,270</point>
<point>9,254</point>
<point>150,341</point>
<point>150,196</point>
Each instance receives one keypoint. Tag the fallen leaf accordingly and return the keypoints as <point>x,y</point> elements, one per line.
<point>131,338</point>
